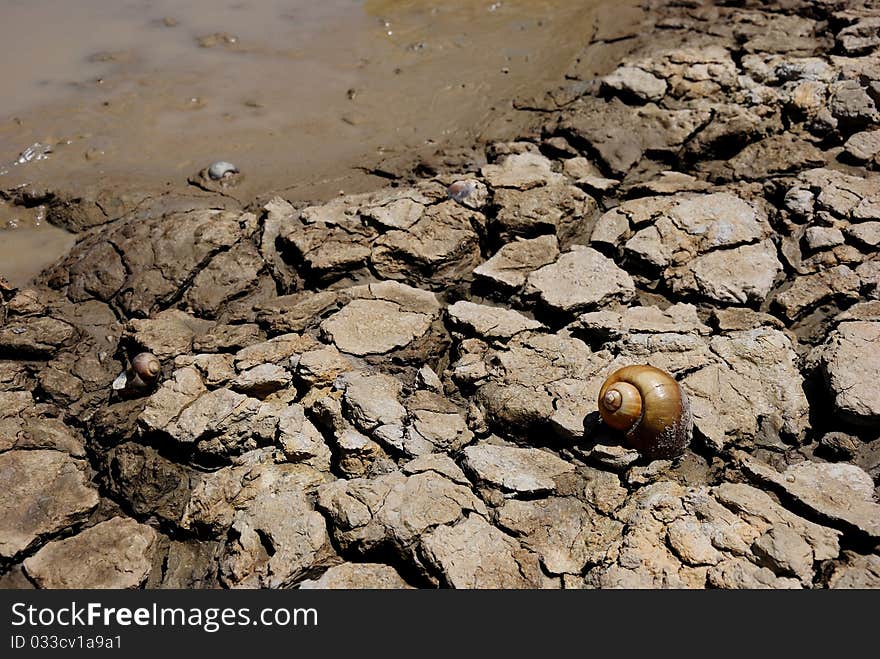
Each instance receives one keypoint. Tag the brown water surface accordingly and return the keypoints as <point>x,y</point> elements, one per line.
<point>303,96</point>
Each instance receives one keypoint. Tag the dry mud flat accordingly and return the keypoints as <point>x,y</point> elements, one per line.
<point>397,389</point>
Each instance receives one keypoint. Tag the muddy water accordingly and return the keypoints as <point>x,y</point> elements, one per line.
<point>28,244</point>
<point>304,97</point>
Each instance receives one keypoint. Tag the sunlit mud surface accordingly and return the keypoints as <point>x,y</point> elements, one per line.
<point>306,98</point>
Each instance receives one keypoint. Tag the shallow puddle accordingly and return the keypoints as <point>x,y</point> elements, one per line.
<point>28,244</point>
<point>304,97</point>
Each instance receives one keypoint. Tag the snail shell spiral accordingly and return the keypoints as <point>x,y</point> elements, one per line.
<point>145,370</point>
<point>146,365</point>
<point>142,373</point>
<point>221,169</point>
<point>650,408</point>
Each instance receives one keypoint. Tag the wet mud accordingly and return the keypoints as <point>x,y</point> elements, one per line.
<point>125,103</point>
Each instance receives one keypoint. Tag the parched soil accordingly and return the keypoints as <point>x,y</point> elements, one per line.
<point>398,388</point>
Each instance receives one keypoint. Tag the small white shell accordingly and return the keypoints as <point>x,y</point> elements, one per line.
<point>460,190</point>
<point>469,193</point>
<point>221,169</point>
<point>120,381</point>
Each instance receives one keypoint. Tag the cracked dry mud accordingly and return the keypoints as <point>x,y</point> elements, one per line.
<point>397,389</point>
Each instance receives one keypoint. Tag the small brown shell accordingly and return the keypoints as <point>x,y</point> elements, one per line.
<point>146,366</point>
<point>650,408</point>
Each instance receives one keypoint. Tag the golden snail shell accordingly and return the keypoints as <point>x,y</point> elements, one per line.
<point>650,408</point>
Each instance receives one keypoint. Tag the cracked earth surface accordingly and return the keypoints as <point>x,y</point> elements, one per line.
<point>398,389</point>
